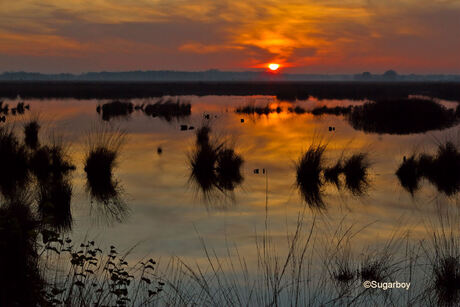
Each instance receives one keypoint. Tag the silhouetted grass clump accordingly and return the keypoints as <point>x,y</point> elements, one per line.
<point>20,280</point>
<point>115,109</point>
<point>98,167</point>
<point>355,169</point>
<point>446,273</point>
<point>308,178</point>
<point>331,174</point>
<point>100,161</point>
<point>14,163</point>
<point>31,129</point>
<point>214,165</point>
<point>168,109</point>
<point>373,268</point>
<point>228,166</point>
<point>332,111</point>
<point>409,175</point>
<point>442,170</point>
<point>401,116</point>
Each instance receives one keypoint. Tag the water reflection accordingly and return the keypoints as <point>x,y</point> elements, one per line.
<point>165,213</point>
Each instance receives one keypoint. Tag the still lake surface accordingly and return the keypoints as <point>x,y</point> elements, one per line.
<point>168,215</point>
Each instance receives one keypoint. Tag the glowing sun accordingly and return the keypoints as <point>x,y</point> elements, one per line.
<point>273,66</point>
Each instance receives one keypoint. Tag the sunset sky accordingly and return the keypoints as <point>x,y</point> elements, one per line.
<point>305,36</point>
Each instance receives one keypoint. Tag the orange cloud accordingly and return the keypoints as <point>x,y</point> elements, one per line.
<point>322,34</point>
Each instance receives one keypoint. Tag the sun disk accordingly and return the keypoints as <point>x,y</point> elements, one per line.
<point>273,66</point>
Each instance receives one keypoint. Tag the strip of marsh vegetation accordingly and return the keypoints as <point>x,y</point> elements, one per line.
<point>253,109</point>
<point>215,166</point>
<point>333,111</point>
<point>102,154</point>
<point>115,109</point>
<point>392,116</point>
<point>288,91</point>
<point>312,174</point>
<point>402,116</point>
<point>166,109</point>
<point>441,169</point>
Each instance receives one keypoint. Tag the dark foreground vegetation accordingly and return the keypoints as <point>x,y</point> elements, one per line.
<point>309,269</point>
<point>289,91</point>
<point>441,169</point>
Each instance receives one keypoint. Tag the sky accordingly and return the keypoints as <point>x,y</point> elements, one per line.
<point>304,36</point>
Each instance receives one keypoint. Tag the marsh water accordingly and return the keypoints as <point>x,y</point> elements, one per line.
<point>169,215</point>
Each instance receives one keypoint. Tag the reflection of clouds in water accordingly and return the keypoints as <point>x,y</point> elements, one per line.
<point>165,214</point>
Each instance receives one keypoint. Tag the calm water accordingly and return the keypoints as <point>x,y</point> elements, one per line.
<point>168,215</point>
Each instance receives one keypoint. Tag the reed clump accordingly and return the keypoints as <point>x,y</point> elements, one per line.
<point>308,175</point>
<point>215,166</point>
<point>103,150</point>
<point>31,130</point>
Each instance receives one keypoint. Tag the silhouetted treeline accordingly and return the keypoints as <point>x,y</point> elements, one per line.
<point>288,91</point>
<point>218,75</point>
